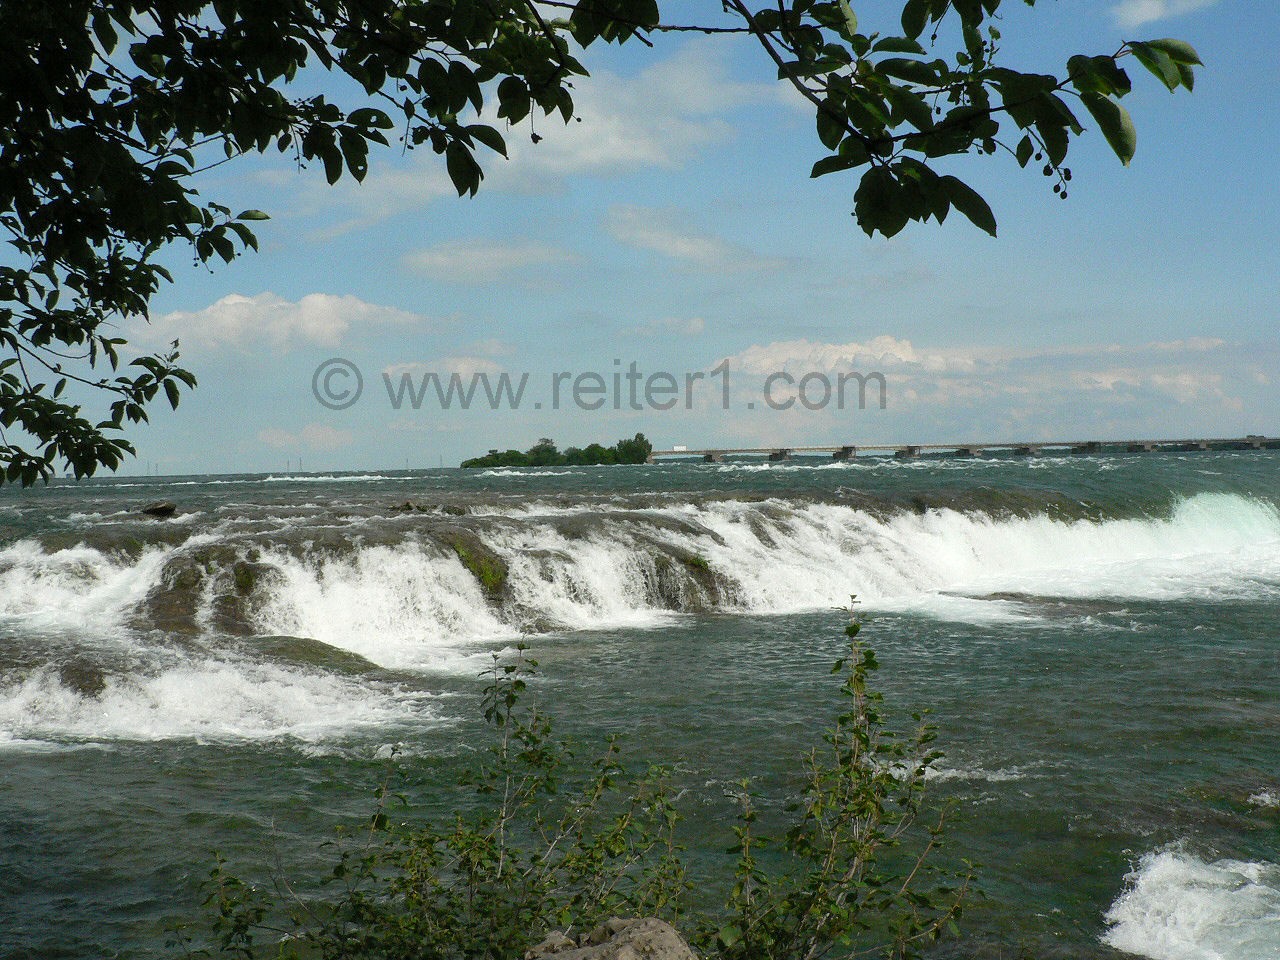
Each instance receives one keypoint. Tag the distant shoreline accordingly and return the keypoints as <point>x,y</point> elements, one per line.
<point>545,453</point>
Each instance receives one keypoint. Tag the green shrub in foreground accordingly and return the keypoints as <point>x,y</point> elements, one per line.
<point>551,845</point>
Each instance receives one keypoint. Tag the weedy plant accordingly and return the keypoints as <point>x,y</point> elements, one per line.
<point>851,875</point>
<point>553,842</point>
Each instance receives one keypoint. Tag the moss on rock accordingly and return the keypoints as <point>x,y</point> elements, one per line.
<point>686,581</point>
<point>489,569</point>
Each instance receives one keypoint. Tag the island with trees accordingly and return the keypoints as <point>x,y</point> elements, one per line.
<point>545,454</point>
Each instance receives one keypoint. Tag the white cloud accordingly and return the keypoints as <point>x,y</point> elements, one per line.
<point>686,326</point>
<point>463,366</point>
<point>881,352</point>
<point>386,192</point>
<point>493,347</point>
<point>1202,344</point>
<point>314,436</point>
<point>1135,13</point>
<point>662,117</point>
<point>669,327</point>
<point>478,261</point>
<point>662,232</point>
<point>1182,386</point>
<point>319,318</point>
<point>1050,386</point>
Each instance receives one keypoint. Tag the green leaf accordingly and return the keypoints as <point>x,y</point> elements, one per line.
<point>831,126</point>
<point>224,247</point>
<point>490,137</point>
<point>898,45</point>
<point>252,215</point>
<point>1115,124</point>
<point>513,99</point>
<point>850,18</point>
<point>729,934</point>
<point>910,106</point>
<point>103,30</point>
<point>1158,62</point>
<point>1179,50</point>
<point>463,169</point>
<point>355,150</point>
<point>915,15</point>
<point>970,11</point>
<point>930,196</point>
<point>245,234</point>
<point>913,71</point>
<point>369,117</point>
<point>831,164</point>
<point>878,203</point>
<point>1024,151</point>
<point>1099,75</point>
<point>332,158</point>
<point>969,202</point>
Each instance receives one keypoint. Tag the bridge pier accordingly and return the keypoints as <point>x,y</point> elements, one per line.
<point>845,452</point>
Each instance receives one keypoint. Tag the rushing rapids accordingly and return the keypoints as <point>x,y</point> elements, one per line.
<point>1095,636</point>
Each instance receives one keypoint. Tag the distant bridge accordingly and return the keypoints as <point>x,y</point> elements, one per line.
<point>910,451</point>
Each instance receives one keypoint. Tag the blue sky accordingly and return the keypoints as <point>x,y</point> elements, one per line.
<point>676,228</point>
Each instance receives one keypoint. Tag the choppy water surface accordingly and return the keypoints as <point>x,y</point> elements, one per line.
<point>1095,636</point>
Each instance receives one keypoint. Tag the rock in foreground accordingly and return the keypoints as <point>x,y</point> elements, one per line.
<point>615,939</point>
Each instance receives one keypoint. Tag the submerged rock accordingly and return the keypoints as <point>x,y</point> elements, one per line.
<point>216,579</point>
<point>84,678</point>
<point>307,652</point>
<point>617,939</point>
<point>687,582</point>
<point>161,509</point>
<point>489,569</point>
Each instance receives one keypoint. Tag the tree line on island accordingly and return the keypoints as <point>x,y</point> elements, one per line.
<point>544,453</point>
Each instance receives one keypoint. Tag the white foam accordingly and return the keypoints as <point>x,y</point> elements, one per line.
<point>600,581</point>
<point>216,700</point>
<point>79,588</point>
<point>1265,798</point>
<point>1178,907</point>
<point>399,606</point>
<point>778,557</point>
<point>942,772</point>
<point>786,558</point>
<point>525,472</point>
<point>328,478</point>
<point>410,604</point>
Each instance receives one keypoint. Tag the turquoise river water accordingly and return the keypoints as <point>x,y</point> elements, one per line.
<point>1096,637</point>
